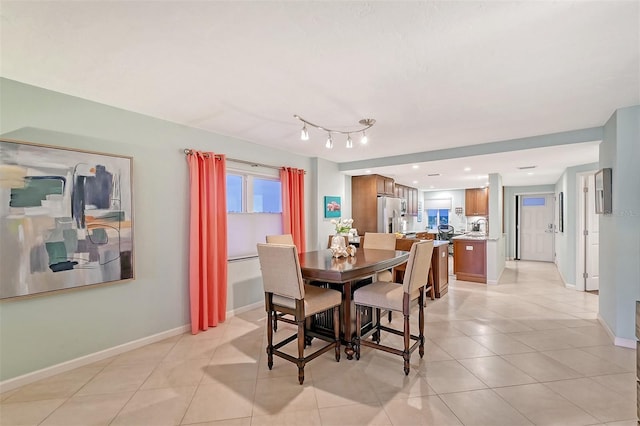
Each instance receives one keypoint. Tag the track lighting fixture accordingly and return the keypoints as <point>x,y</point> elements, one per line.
<point>329,143</point>
<point>366,124</point>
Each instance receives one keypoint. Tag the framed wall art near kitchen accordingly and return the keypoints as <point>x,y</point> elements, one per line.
<point>66,218</point>
<point>332,206</point>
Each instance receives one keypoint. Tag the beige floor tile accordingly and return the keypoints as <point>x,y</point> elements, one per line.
<point>543,406</point>
<point>354,415</point>
<point>502,344</point>
<point>345,389</point>
<point>242,421</point>
<point>63,385</point>
<point>180,373</point>
<point>148,354</point>
<point>462,347</point>
<point>508,325</point>
<point>157,407</point>
<point>475,327</point>
<point>483,407</point>
<point>228,371</point>
<point>545,340</point>
<point>496,372</point>
<point>292,418</point>
<point>583,362</point>
<point>598,400</point>
<point>387,379</point>
<point>282,394</point>
<point>88,410</point>
<point>541,367</point>
<point>118,378</point>
<point>424,410</point>
<point>221,402</point>
<point>193,349</point>
<point>441,329</point>
<point>27,413</point>
<point>451,376</point>
<point>624,384</point>
<point>622,357</point>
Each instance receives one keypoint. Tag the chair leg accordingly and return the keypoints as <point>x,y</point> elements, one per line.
<point>336,330</point>
<point>270,322</point>
<point>275,322</point>
<point>405,354</point>
<point>376,336</point>
<point>356,345</point>
<point>390,315</point>
<point>421,322</point>
<point>301,351</point>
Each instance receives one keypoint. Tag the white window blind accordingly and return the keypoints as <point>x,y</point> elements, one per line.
<point>245,230</point>
<point>437,204</point>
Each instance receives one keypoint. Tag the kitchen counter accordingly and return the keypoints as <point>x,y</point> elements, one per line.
<point>474,236</point>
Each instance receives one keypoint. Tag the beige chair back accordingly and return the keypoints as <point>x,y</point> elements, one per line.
<point>417,272</point>
<point>280,267</point>
<point>280,239</point>
<point>380,241</point>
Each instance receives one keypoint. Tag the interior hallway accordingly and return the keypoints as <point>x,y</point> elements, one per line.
<point>527,351</point>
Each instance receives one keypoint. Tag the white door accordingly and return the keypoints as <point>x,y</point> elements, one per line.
<point>591,239</point>
<point>536,227</point>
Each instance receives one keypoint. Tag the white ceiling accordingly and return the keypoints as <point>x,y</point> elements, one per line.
<point>435,75</point>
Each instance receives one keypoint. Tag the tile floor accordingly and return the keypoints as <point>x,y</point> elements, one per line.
<point>527,351</point>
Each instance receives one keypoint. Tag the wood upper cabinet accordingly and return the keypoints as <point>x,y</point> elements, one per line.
<point>410,195</point>
<point>384,185</point>
<point>476,202</point>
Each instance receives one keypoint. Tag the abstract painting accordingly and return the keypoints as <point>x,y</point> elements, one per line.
<point>66,218</point>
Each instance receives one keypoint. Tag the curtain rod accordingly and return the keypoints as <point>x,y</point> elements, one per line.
<point>251,163</point>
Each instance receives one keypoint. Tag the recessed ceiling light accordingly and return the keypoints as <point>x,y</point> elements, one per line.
<point>415,166</point>
<point>530,173</point>
<point>367,171</point>
<point>467,169</point>
<point>415,181</point>
<point>431,186</point>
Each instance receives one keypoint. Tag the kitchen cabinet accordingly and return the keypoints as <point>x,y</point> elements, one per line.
<point>410,195</point>
<point>476,202</point>
<point>470,260</point>
<point>364,200</point>
<point>384,185</point>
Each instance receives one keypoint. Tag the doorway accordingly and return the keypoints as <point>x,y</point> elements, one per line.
<point>535,225</point>
<point>588,238</point>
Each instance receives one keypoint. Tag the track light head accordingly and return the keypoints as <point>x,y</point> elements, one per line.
<point>349,141</point>
<point>364,139</point>
<point>329,143</point>
<point>304,133</point>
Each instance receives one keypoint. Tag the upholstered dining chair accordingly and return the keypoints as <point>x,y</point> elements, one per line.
<point>396,297</point>
<point>380,241</point>
<point>285,292</point>
<point>280,239</point>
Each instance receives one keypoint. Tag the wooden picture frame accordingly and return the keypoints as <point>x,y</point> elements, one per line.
<point>66,218</point>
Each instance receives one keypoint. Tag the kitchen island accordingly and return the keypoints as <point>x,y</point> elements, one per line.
<point>470,257</point>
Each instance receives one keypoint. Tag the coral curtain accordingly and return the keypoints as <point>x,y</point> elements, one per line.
<point>293,205</point>
<point>207,240</point>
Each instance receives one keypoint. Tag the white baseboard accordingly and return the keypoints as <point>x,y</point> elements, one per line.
<point>34,376</point>
<point>618,341</point>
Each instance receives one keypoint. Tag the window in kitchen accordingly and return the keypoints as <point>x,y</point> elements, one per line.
<point>437,217</point>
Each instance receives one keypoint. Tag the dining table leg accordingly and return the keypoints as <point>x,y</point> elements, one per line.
<point>348,332</point>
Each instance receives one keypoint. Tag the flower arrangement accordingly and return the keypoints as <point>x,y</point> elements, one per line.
<point>342,225</point>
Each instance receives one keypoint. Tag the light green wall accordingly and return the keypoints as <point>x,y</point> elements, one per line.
<point>566,241</point>
<point>47,330</point>
<point>620,230</point>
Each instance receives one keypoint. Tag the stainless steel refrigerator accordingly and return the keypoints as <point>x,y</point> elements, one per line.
<point>390,215</point>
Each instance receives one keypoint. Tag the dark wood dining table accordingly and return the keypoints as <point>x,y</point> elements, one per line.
<point>344,274</point>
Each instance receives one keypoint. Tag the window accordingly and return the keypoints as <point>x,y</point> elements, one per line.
<point>533,201</point>
<point>254,210</point>
<point>248,193</point>
<point>436,217</point>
